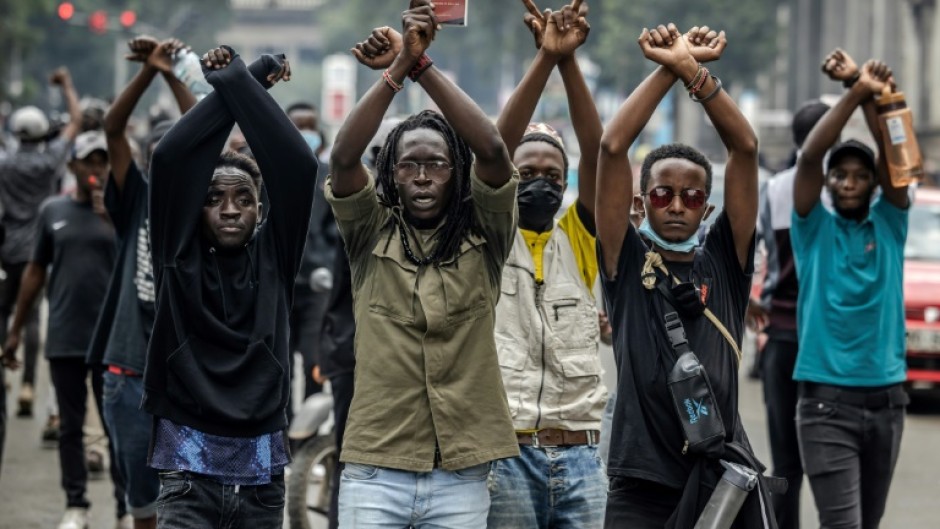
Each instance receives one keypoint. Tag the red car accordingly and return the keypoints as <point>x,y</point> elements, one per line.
<point>922,290</point>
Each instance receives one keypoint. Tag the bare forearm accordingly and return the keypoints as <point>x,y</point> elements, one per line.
<point>347,173</point>
<point>587,127</point>
<point>34,277</point>
<point>827,130</point>
<point>115,121</point>
<point>75,113</point>
<point>472,125</point>
<point>636,111</point>
<point>184,98</point>
<point>518,111</point>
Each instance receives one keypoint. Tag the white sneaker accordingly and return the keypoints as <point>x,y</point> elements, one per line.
<point>75,518</point>
<point>125,522</point>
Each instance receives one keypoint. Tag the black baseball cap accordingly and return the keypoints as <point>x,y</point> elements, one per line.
<point>851,148</point>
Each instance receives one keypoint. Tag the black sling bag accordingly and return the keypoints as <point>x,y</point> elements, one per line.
<point>691,391</point>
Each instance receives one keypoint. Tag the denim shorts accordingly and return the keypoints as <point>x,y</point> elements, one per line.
<point>130,430</point>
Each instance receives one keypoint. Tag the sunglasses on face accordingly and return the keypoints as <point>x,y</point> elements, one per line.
<point>662,196</point>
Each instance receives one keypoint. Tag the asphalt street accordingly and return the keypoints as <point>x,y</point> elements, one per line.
<point>30,496</point>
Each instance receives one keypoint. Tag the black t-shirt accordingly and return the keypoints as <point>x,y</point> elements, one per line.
<point>646,437</point>
<point>79,246</point>
<point>127,315</point>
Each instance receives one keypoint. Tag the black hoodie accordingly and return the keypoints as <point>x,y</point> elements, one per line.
<point>218,356</point>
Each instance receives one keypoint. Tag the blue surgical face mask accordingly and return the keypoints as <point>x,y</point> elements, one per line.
<point>685,246</point>
<point>313,139</point>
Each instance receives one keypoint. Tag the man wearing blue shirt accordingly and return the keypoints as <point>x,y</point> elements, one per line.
<point>850,311</point>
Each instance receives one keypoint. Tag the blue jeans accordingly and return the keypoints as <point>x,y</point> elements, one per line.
<point>549,487</point>
<point>130,436</point>
<point>375,497</point>
<point>193,501</point>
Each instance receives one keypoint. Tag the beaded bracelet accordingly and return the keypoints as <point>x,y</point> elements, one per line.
<point>699,82</point>
<point>710,96</point>
<point>696,78</point>
<point>395,87</point>
<point>424,62</point>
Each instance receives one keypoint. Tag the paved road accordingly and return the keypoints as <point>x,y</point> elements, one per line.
<point>30,497</point>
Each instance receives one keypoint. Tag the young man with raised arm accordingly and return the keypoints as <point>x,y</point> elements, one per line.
<point>850,309</point>
<point>655,481</point>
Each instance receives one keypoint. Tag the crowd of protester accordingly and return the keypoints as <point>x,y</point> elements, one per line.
<point>425,268</point>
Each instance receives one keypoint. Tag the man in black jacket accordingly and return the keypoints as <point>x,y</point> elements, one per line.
<point>217,376</point>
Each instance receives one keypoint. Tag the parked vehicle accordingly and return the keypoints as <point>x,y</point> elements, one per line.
<point>922,290</point>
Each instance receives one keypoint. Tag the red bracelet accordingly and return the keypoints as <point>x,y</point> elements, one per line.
<point>395,87</point>
<point>701,82</point>
<point>424,62</point>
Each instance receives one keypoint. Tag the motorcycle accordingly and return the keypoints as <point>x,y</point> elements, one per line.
<point>310,482</point>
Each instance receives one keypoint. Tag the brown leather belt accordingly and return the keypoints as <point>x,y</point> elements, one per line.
<point>555,437</point>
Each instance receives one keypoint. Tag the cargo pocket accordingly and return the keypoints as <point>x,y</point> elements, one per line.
<point>582,387</point>
<point>465,282</point>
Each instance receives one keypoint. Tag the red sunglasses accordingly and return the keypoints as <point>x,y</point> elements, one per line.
<point>660,197</point>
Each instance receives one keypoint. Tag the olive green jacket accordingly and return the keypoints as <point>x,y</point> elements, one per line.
<point>427,373</point>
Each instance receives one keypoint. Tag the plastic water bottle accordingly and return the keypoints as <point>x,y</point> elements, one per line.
<point>188,70</point>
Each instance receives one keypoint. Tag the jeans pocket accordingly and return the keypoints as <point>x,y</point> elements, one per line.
<point>270,496</point>
<point>474,473</point>
<point>173,486</point>
<point>810,411</point>
<point>359,471</point>
<point>111,386</point>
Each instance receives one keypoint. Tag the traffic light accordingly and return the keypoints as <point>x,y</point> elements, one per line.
<point>128,18</point>
<point>98,22</point>
<point>66,10</point>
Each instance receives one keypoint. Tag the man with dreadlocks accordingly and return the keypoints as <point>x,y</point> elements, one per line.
<point>546,321</point>
<point>429,413</point>
<point>656,479</point>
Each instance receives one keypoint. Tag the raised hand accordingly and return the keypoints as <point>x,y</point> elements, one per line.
<point>141,47</point>
<point>705,44</point>
<point>217,58</point>
<point>664,45</point>
<point>419,28</point>
<point>839,66</point>
<point>60,76</point>
<point>536,21</point>
<point>876,76</point>
<point>380,49</point>
<point>567,29</point>
<point>161,57</point>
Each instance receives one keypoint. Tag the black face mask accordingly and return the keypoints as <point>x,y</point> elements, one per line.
<point>539,200</point>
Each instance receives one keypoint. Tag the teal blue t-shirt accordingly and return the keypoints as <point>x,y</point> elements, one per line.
<point>850,310</point>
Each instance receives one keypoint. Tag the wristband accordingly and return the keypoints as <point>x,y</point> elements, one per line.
<point>394,86</point>
<point>424,62</point>
<point>850,82</point>
<point>710,96</point>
